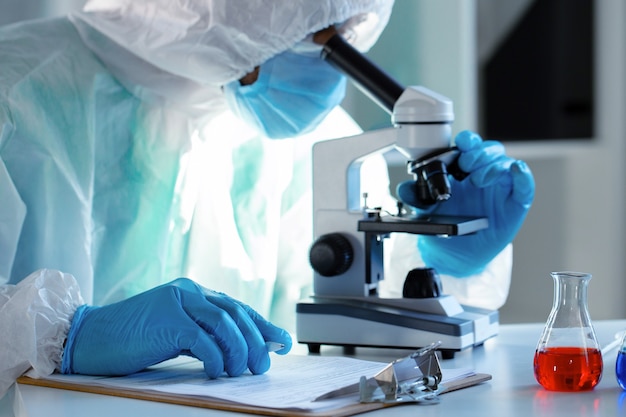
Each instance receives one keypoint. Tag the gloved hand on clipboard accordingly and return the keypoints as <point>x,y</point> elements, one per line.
<point>178,318</point>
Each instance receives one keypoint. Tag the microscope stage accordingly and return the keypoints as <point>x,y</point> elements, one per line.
<point>427,225</point>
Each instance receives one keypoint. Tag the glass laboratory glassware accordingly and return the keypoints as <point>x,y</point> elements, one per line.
<point>620,364</point>
<point>568,356</point>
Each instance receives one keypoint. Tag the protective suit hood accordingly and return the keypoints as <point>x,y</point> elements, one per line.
<point>183,50</point>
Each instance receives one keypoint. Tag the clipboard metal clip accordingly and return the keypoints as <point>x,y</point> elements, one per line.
<point>414,378</point>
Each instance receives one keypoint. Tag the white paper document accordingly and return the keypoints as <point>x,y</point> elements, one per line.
<point>292,382</point>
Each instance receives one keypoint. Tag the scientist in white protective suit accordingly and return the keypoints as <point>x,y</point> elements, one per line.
<point>125,163</point>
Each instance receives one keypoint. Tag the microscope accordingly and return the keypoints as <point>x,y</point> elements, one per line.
<point>347,252</point>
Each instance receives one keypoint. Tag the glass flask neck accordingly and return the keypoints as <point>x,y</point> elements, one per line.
<point>570,298</point>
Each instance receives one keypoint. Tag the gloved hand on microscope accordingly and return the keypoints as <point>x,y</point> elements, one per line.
<point>498,187</point>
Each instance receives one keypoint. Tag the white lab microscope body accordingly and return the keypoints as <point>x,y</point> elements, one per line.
<point>347,253</point>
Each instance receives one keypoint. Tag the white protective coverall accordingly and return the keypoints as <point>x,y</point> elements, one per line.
<point>121,166</point>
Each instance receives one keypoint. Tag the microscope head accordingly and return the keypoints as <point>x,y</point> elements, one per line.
<point>422,119</point>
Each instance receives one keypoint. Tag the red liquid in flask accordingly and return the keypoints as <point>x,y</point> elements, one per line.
<point>568,368</point>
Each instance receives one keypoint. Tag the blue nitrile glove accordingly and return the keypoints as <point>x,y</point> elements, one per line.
<point>498,187</point>
<point>179,318</point>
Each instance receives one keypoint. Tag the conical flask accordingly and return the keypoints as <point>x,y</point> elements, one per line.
<point>568,357</point>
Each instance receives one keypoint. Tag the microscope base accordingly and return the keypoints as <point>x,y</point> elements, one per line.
<point>359,323</point>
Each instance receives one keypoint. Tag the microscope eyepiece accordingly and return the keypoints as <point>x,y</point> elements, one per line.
<point>367,76</point>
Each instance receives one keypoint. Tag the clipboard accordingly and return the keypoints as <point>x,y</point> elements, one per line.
<point>216,404</point>
<point>195,401</point>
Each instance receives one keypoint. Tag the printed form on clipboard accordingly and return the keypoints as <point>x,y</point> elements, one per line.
<point>294,385</point>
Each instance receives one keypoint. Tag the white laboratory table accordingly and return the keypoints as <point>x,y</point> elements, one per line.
<point>508,357</point>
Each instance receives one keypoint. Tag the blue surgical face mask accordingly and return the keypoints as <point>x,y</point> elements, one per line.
<point>292,95</point>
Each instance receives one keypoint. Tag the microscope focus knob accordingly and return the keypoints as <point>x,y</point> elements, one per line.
<point>331,255</point>
<point>422,283</point>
